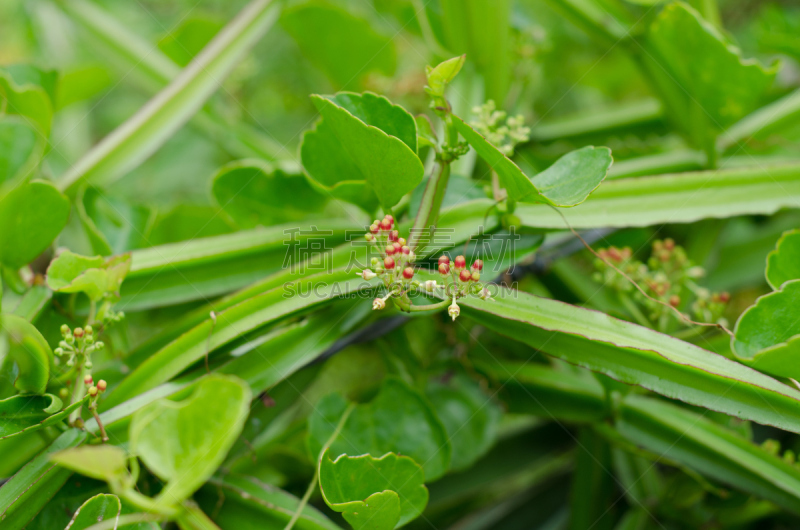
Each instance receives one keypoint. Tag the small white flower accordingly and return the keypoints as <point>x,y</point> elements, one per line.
<point>453,310</point>
<point>430,285</point>
<point>378,304</point>
<point>367,274</point>
<point>485,294</point>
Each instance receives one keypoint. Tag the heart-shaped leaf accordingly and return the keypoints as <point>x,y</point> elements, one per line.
<point>344,46</point>
<point>783,263</point>
<point>568,182</point>
<point>254,193</point>
<point>184,442</point>
<point>102,507</point>
<point>470,417</point>
<point>32,215</point>
<point>399,420</point>
<point>767,334</point>
<point>363,148</point>
<point>30,351</point>
<point>373,493</point>
<point>96,276</point>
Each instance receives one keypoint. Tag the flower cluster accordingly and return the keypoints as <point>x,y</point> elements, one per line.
<point>77,346</point>
<point>395,267</point>
<point>503,133</point>
<point>668,277</point>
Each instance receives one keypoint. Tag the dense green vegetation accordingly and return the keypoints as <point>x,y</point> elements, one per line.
<point>518,264</point>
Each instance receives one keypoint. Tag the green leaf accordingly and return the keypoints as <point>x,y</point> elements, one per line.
<point>102,507</point>
<point>531,388</point>
<point>637,355</point>
<point>245,503</point>
<point>469,416</point>
<point>189,38</point>
<point>254,193</point>
<point>81,84</point>
<point>139,137</point>
<point>767,334</point>
<point>20,150</point>
<point>32,215</point>
<point>366,140</point>
<point>30,351</point>
<point>646,201</point>
<point>235,322</point>
<point>20,412</point>
<point>399,420</point>
<point>27,99</point>
<point>568,182</point>
<point>373,493</point>
<point>24,494</point>
<point>28,417</point>
<point>95,276</point>
<point>703,79</point>
<point>342,45</point>
<point>783,263</point>
<point>102,462</point>
<point>113,225</point>
<point>184,442</point>
<point>691,439</point>
<point>442,74</point>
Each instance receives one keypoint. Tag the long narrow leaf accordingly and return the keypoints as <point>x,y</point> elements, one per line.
<point>637,355</point>
<point>144,132</point>
<point>679,198</point>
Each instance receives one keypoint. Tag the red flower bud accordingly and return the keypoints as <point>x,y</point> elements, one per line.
<point>724,297</point>
<point>397,246</point>
<point>477,265</point>
<point>444,269</point>
<point>402,241</point>
<point>465,275</point>
<point>102,385</point>
<point>374,228</point>
<point>394,235</point>
<point>386,225</point>
<point>87,379</point>
<point>78,333</point>
<point>405,250</point>
<point>674,300</point>
<point>408,273</point>
<point>444,259</point>
<point>476,276</point>
<point>390,250</point>
<point>388,263</point>
<point>460,262</point>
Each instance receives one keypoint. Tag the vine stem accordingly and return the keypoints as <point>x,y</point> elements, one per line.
<point>312,486</point>
<point>78,391</point>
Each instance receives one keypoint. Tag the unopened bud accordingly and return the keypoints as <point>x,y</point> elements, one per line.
<point>444,259</point>
<point>394,235</point>
<point>388,263</point>
<point>476,276</point>
<point>87,380</point>
<point>460,262</point>
<point>465,276</point>
<point>369,237</point>
<point>386,225</point>
<point>102,385</point>
<point>92,391</point>
<point>374,228</point>
<point>674,300</point>
<point>402,241</point>
<point>389,250</point>
<point>59,351</point>
<point>64,329</point>
<point>89,330</point>
<point>477,265</point>
<point>444,269</point>
<point>78,333</point>
<point>378,304</point>
<point>99,345</point>
<point>408,273</point>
